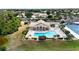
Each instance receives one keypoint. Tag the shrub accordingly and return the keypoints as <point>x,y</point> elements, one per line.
<point>2,48</point>
<point>25,32</point>
<point>3,41</point>
<point>52,25</point>
<point>66,32</point>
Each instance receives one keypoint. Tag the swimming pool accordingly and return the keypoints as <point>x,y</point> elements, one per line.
<point>74,27</point>
<point>49,34</point>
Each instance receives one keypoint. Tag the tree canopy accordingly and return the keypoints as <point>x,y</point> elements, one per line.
<point>28,14</point>
<point>49,16</point>
<point>48,12</point>
<point>9,23</point>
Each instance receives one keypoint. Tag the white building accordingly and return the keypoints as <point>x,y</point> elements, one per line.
<point>37,15</point>
<point>44,29</point>
<point>39,25</point>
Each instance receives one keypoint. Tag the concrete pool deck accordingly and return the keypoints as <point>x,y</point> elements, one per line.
<point>60,32</point>
<point>57,30</point>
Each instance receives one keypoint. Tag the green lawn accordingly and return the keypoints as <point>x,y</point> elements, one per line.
<point>49,46</point>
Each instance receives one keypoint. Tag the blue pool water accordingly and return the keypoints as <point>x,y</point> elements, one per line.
<point>74,27</point>
<point>48,34</point>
